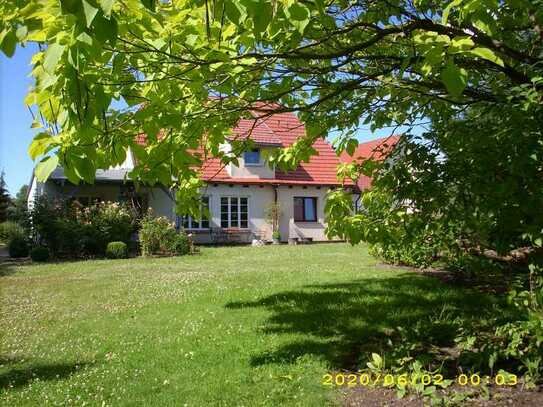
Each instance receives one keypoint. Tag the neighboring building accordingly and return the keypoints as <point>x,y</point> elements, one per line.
<point>237,196</point>
<point>377,149</point>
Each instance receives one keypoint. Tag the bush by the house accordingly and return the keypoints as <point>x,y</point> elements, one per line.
<point>113,221</point>
<point>9,230</point>
<point>117,250</point>
<point>39,254</point>
<point>18,247</point>
<point>51,225</point>
<point>91,241</point>
<point>70,230</point>
<point>159,237</point>
<point>181,245</point>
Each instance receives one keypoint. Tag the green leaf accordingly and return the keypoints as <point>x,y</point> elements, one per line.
<point>426,69</point>
<point>90,12</point>
<point>461,44</point>
<point>70,6</point>
<point>149,4</point>
<point>71,175</point>
<point>105,30</point>
<point>52,56</point>
<point>435,55</point>
<point>39,145</point>
<point>235,11</point>
<point>298,15</point>
<point>84,168</point>
<point>21,33</point>
<point>85,38</point>
<point>106,6</point>
<point>9,43</point>
<point>454,78</point>
<point>487,54</point>
<point>377,360</point>
<point>37,36</point>
<point>447,11</point>
<point>314,129</point>
<point>45,167</point>
<point>263,17</point>
<point>352,144</point>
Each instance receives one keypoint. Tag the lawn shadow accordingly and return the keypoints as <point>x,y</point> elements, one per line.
<point>342,322</point>
<point>17,377</point>
<point>9,266</point>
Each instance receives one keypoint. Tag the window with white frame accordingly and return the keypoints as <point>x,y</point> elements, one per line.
<point>203,223</point>
<point>234,212</point>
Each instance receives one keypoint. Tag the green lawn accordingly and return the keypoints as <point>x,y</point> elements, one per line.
<point>230,327</point>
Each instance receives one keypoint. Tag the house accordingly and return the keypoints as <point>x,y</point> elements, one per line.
<point>237,196</point>
<point>377,149</point>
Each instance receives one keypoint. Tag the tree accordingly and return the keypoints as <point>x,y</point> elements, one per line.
<point>5,199</point>
<point>472,185</point>
<point>188,70</point>
<point>18,211</point>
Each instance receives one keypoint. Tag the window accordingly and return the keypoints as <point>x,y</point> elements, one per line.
<point>85,200</point>
<point>234,212</point>
<point>203,223</point>
<point>305,209</point>
<point>252,157</point>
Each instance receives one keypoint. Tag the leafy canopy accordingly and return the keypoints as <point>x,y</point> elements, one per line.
<point>183,72</point>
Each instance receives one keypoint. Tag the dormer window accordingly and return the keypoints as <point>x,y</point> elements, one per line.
<point>252,157</point>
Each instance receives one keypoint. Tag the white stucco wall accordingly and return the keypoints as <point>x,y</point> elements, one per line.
<point>33,193</point>
<point>262,170</point>
<point>259,198</point>
<point>301,230</point>
<point>161,203</point>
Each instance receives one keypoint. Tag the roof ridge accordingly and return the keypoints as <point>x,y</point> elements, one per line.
<point>384,139</point>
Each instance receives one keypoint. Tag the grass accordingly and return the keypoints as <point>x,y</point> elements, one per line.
<point>232,326</point>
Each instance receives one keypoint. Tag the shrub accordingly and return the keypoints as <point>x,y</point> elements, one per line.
<point>18,247</point>
<point>158,236</point>
<point>47,229</point>
<point>116,250</point>
<point>155,234</point>
<point>69,229</point>
<point>113,221</point>
<point>91,241</point>
<point>39,254</point>
<point>9,230</point>
<point>181,244</point>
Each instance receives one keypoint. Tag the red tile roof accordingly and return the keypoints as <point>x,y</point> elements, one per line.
<point>282,130</point>
<point>377,149</point>
<point>256,130</point>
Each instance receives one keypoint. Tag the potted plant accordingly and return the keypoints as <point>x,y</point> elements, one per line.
<point>276,237</point>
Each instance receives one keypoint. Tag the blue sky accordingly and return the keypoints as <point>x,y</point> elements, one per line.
<point>15,119</point>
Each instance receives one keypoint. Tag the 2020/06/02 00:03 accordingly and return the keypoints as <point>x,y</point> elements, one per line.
<point>368,379</point>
